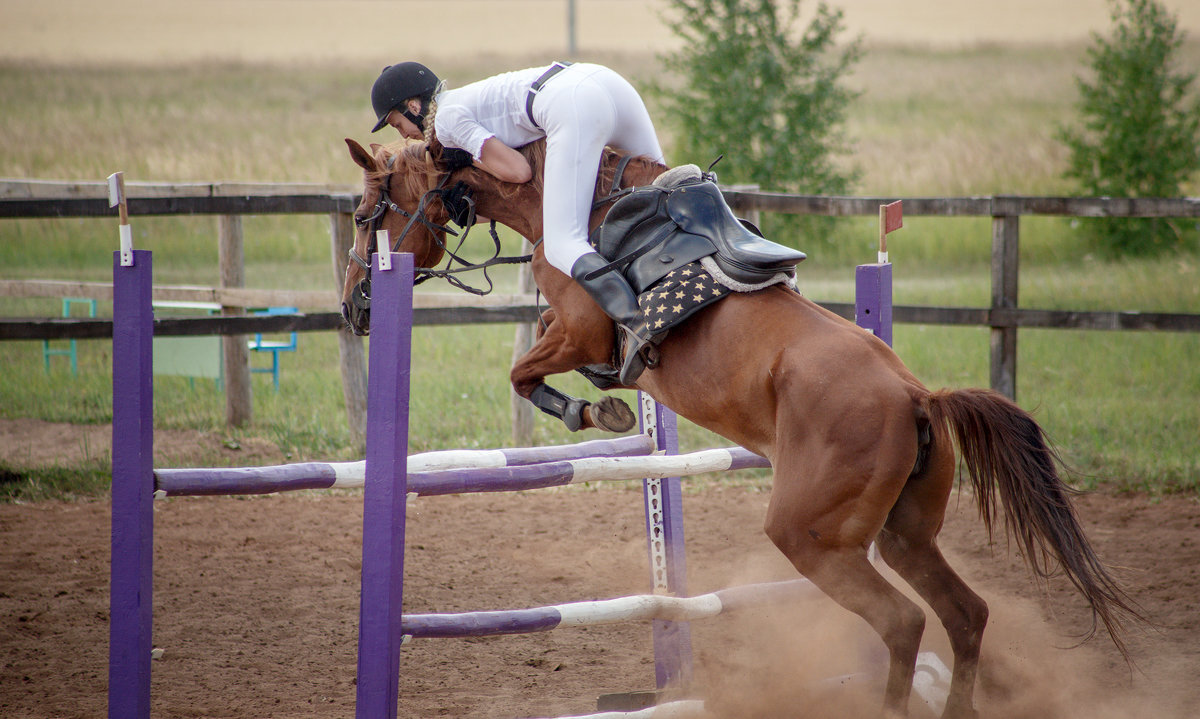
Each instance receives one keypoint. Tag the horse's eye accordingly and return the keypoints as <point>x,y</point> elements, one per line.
<point>360,221</point>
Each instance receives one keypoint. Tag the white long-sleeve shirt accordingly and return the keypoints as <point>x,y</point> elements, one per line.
<point>494,107</point>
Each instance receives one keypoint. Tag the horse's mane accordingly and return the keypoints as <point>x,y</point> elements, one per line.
<point>415,168</point>
<point>407,161</point>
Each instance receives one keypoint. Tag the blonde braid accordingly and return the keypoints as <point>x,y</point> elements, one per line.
<point>431,113</point>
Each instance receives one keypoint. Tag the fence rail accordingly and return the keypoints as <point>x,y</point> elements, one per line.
<point>527,311</point>
<point>229,201</point>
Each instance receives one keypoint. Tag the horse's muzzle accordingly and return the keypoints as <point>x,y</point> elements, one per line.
<point>357,312</point>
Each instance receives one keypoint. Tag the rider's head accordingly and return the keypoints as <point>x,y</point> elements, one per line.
<point>403,92</point>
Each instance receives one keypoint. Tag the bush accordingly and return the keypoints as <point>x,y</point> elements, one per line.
<point>746,85</point>
<point>1140,135</point>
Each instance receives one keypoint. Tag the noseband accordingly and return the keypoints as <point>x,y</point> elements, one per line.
<point>361,296</point>
<point>461,206</point>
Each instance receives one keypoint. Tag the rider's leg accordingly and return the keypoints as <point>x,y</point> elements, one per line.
<point>617,299</point>
<point>590,107</point>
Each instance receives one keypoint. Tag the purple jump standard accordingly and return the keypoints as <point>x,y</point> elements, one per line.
<point>873,299</point>
<point>379,635</point>
<point>131,583</point>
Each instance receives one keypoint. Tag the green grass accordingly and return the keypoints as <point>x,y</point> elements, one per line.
<point>1122,406</point>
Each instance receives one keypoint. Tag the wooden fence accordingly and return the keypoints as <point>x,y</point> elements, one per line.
<point>37,199</point>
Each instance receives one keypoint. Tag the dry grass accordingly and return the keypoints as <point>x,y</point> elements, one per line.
<point>370,31</point>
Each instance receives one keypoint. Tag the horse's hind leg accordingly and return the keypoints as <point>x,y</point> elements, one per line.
<point>908,545</point>
<point>823,518</point>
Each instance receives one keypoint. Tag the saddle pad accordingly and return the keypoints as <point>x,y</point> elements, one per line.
<point>679,295</point>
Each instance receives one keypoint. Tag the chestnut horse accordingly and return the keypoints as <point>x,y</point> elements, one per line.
<point>862,452</point>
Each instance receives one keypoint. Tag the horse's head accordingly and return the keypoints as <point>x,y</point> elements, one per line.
<point>398,181</point>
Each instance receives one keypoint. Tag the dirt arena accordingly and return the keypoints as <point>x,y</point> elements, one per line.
<point>256,599</point>
<point>256,606</point>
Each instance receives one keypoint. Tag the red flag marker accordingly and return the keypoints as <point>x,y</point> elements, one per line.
<point>891,218</point>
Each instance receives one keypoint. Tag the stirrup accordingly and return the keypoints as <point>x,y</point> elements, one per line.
<point>640,353</point>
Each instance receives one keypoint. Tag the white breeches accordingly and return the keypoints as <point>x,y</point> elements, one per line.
<point>581,110</point>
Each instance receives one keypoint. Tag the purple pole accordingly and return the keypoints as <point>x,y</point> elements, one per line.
<point>873,299</point>
<point>131,580</point>
<point>668,558</point>
<point>379,629</point>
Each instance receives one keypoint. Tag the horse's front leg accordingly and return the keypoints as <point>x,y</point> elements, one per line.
<point>554,353</point>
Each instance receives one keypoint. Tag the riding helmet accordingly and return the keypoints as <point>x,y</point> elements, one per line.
<point>396,84</point>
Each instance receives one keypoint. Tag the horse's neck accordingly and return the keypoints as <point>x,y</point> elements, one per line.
<point>522,210</point>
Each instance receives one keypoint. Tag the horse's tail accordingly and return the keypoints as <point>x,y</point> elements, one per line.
<point>1006,452</point>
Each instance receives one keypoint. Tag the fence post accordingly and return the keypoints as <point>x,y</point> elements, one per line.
<point>752,216</point>
<point>1005,263</point>
<point>350,346</point>
<point>522,409</point>
<point>239,407</point>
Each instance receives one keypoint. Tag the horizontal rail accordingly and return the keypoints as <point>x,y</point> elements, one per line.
<point>988,206</point>
<point>605,611</point>
<point>335,475</point>
<point>227,296</point>
<point>34,208</point>
<point>240,297</point>
<point>35,198</point>
<point>52,329</point>
<point>601,460</point>
<point>590,469</point>
<point>678,709</point>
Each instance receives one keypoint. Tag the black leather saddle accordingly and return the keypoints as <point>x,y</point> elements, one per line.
<point>661,227</point>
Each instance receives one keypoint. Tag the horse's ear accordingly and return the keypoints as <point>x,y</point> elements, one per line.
<point>360,156</point>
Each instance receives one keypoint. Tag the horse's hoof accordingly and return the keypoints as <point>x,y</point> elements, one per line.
<point>611,415</point>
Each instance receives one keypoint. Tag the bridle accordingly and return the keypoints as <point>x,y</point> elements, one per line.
<point>460,205</point>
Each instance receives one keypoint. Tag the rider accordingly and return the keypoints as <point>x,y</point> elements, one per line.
<point>579,108</point>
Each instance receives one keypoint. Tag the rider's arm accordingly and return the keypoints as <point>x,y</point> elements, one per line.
<point>456,126</point>
<point>503,162</point>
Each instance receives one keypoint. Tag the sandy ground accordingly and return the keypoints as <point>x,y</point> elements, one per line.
<point>256,599</point>
<point>256,604</point>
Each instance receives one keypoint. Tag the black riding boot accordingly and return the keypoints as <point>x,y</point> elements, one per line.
<point>618,300</point>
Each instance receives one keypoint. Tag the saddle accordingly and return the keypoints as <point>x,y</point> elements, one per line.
<point>681,248</point>
<point>679,219</point>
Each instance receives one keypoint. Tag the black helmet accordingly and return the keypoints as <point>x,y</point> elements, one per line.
<point>396,84</point>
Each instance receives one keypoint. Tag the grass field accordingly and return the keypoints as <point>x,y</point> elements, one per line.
<point>948,115</point>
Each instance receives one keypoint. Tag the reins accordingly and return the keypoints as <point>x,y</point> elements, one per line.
<point>461,206</point>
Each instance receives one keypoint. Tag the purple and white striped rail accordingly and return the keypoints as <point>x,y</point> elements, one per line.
<point>588,469</point>
<point>339,475</point>
<point>683,709</point>
<point>605,611</point>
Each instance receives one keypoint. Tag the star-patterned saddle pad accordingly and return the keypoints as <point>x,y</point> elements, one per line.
<point>679,295</point>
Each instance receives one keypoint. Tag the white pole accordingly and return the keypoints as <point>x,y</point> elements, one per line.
<point>116,198</point>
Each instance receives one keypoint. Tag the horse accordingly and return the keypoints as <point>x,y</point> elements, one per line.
<point>861,450</point>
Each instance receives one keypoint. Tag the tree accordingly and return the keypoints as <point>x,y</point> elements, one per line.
<point>745,84</point>
<point>1140,135</point>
